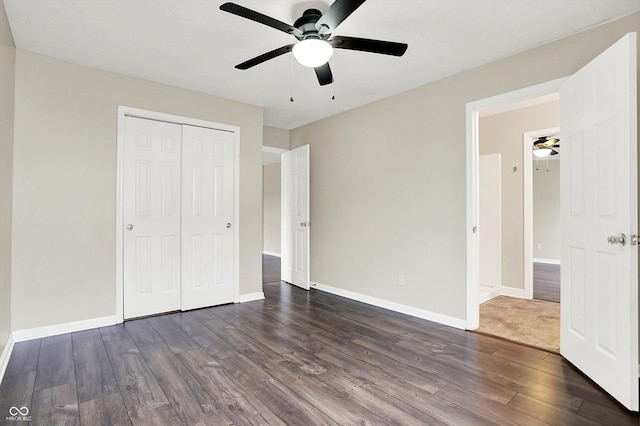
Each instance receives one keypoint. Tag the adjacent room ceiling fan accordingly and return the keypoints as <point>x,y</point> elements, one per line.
<point>315,40</point>
<point>545,146</point>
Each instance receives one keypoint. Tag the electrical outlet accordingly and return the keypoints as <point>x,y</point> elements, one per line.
<point>400,279</point>
<point>539,246</point>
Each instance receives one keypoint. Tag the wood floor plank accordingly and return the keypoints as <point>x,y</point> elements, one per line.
<point>546,412</point>
<point>172,335</point>
<point>189,323</point>
<point>314,387</point>
<point>113,332</point>
<point>24,358</point>
<point>16,391</point>
<point>287,405</point>
<point>141,332</point>
<point>270,269</point>
<point>94,376</point>
<point>55,362</point>
<point>139,388</point>
<point>239,405</point>
<point>106,410</point>
<point>191,402</point>
<point>439,366</point>
<point>486,408</point>
<point>605,415</point>
<point>546,282</point>
<point>160,416</point>
<point>56,405</point>
<point>422,405</point>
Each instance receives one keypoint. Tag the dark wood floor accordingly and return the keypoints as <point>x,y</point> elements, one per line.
<point>296,358</point>
<point>546,282</point>
<point>270,269</point>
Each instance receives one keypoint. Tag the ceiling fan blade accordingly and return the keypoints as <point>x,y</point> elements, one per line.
<point>243,12</point>
<point>324,74</point>
<point>554,152</point>
<point>338,12</point>
<point>368,45</point>
<point>265,57</point>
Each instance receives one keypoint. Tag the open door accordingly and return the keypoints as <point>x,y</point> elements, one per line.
<point>295,217</point>
<point>599,290</point>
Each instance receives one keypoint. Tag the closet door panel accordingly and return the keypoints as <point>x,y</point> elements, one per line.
<point>151,213</point>
<point>207,217</point>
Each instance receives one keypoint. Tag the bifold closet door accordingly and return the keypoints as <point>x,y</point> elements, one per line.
<point>151,213</point>
<point>207,217</point>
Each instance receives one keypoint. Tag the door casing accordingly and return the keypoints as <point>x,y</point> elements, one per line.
<point>170,118</point>
<point>473,140</point>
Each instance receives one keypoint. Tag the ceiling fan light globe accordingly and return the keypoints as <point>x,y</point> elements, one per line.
<point>312,52</point>
<point>541,152</point>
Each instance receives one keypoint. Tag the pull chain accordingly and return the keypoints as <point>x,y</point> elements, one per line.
<point>291,87</point>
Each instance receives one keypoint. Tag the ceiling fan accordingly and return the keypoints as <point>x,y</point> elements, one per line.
<point>544,146</point>
<point>315,40</point>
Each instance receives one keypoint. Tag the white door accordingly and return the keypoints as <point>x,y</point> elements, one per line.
<point>207,217</point>
<point>490,223</point>
<point>151,213</point>
<point>295,217</point>
<point>599,290</point>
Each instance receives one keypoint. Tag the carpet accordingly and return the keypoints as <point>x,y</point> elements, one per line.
<point>531,322</point>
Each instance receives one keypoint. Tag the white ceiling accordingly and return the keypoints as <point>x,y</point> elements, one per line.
<point>194,45</point>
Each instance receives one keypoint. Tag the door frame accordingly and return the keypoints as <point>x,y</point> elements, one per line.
<point>125,111</point>
<point>499,103</point>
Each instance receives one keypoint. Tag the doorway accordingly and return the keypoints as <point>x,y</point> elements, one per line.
<point>507,198</point>
<point>191,186</point>
<point>599,312</point>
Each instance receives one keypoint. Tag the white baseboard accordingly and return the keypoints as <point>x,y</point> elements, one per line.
<point>5,355</point>
<point>501,291</point>
<point>250,297</point>
<point>272,253</point>
<point>69,327</point>
<point>392,306</point>
<point>547,261</point>
<point>485,297</point>
<point>512,292</point>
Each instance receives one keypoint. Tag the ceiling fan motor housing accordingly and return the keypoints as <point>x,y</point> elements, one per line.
<point>307,25</point>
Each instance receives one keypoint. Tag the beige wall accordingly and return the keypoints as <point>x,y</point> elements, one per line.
<point>275,138</point>
<point>65,184</point>
<point>7,84</point>
<point>271,208</point>
<point>503,133</point>
<point>546,209</point>
<point>388,180</point>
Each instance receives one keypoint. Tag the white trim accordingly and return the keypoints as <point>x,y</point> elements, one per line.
<point>527,140</point>
<point>5,356</point>
<point>485,297</point>
<point>513,292</point>
<point>273,150</point>
<point>518,293</point>
<point>472,131</point>
<point>250,297</point>
<point>547,261</point>
<point>272,253</point>
<point>392,306</point>
<point>170,118</point>
<point>69,327</point>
